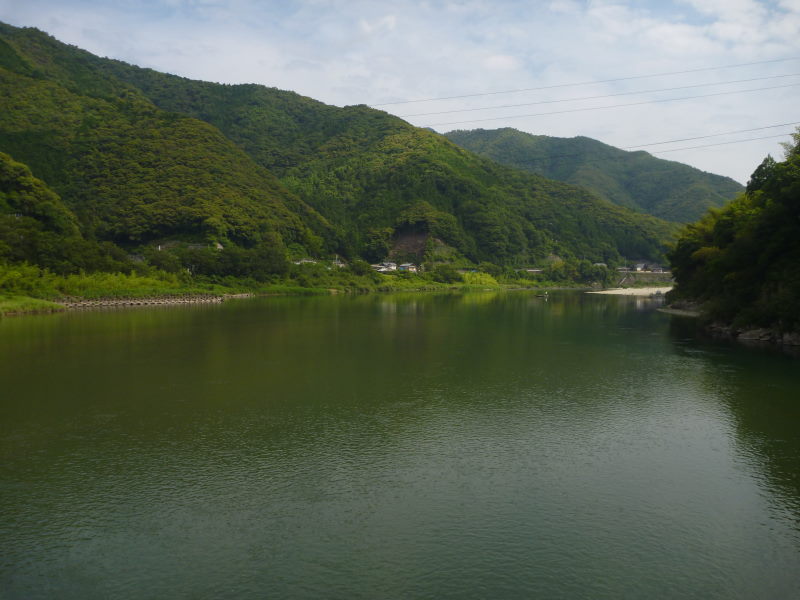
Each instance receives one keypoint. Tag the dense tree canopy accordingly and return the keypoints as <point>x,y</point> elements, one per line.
<point>742,261</point>
<point>636,180</point>
<point>142,159</point>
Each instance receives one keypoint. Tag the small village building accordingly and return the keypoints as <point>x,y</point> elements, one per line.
<point>407,268</point>
<point>385,267</point>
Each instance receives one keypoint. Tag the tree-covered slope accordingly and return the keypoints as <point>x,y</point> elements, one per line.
<point>130,171</point>
<point>365,170</point>
<point>636,180</point>
<point>37,227</point>
<point>741,262</point>
<point>141,155</point>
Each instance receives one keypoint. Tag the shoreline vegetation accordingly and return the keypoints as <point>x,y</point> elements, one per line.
<point>24,305</point>
<point>28,289</point>
<point>737,266</point>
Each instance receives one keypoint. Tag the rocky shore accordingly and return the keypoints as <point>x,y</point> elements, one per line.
<point>754,335</point>
<point>745,335</point>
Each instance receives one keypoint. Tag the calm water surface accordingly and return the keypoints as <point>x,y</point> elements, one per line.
<point>425,446</point>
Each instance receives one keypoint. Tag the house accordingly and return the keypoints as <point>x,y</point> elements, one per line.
<point>407,268</point>
<point>601,265</point>
<point>305,261</point>
<point>639,267</point>
<point>385,267</point>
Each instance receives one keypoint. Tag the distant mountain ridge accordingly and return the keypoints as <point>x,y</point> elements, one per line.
<point>637,180</point>
<point>140,156</point>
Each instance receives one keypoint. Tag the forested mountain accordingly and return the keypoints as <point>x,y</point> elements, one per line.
<point>130,171</point>
<point>741,262</point>
<point>37,227</point>
<point>140,156</point>
<point>636,180</point>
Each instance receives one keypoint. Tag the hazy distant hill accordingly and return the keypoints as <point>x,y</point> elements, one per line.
<point>637,180</point>
<point>139,155</point>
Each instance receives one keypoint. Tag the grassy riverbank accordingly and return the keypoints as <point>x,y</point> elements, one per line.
<point>18,305</point>
<point>28,288</point>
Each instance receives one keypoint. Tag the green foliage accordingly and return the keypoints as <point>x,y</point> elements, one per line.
<point>23,195</point>
<point>36,227</point>
<point>30,280</point>
<point>16,305</point>
<point>446,274</point>
<point>636,180</point>
<point>133,172</point>
<point>741,261</point>
<point>480,279</point>
<point>374,176</point>
<point>141,158</point>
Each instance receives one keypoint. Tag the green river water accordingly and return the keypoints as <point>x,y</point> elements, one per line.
<point>490,445</point>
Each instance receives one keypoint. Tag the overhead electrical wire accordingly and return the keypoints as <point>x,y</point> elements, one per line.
<point>669,89</point>
<point>573,110</point>
<point>702,137</point>
<point>562,85</point>
<point>766,137</point>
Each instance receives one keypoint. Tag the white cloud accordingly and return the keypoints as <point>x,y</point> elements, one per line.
<point>386,23</point>
<point>501,62</point>
<point>567,7</point>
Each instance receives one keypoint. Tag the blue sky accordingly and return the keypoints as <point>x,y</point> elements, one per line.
<point>358,52</point>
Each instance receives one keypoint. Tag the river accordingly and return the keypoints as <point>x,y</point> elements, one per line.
<point>489,445</point>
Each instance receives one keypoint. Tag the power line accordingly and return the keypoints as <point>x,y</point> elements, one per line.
<point>670,89</point>
<point>573,110</point>
<point>766,137</point>
<point>702,137</point>
<point>561,85</point>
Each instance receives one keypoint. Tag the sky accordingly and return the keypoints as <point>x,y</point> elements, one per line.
<point>378,52</point>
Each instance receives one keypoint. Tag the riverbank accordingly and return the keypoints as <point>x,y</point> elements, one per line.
<point>21,305</point>
<point>637,291</point>
<point>24,305</point>
<point>29,289</point>
<point>749,335</point>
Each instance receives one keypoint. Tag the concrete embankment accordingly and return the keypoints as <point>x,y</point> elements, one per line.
<point>153,301</point>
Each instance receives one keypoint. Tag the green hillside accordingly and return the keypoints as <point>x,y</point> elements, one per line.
<point>37,227</point>
<point>130,171</point>
<point>140,156</point>
<point>365,169</point>
<point>741,262</point>
<point>636,180</point>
